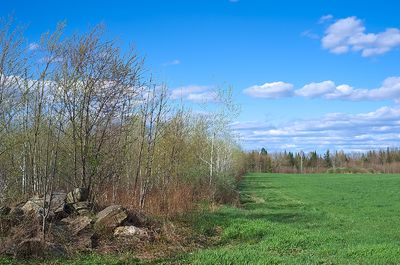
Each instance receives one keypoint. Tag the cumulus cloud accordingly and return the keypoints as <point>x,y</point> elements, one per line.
<point>336,131</point>
<point>389,90</point>
<point>195,93</point>
<point>349,34</point>
<point>270,90</point>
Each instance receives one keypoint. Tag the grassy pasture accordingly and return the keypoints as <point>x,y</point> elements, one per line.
<point>307,219</point>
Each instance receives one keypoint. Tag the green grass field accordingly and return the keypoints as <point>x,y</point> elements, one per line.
<point>307,219</point>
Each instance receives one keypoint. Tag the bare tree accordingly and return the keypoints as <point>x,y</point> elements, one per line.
<point>97,85</point>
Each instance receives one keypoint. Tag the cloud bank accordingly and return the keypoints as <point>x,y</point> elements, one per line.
<point>335,131</point>
<point>388,90</point>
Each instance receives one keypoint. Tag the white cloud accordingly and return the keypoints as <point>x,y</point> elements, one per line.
<point>349,34</point>
<point>270,90</point>
<point>389,90</point>
<point>195,93</point>
<point>335,131</point>
<point>173,62</point>
<point>325,18</point>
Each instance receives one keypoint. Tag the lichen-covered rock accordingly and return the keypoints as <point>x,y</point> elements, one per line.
<point>130,231</point>
<point>111,217</point>
<point>34,205</point>
<point>77,195</point>
<point>55,201</point>
<point>78,225</point>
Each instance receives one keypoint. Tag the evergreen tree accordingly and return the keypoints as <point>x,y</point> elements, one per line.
<point>327,159</point>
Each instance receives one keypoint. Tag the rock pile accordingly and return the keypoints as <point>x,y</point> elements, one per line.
<point>72,216</point>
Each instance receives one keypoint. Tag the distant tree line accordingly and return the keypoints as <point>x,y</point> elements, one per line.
<point>374,161</point>
<point>78,111</point>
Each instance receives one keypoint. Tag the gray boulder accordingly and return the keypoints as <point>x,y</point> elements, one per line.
<point>111,217</point>
<point>57,202</point>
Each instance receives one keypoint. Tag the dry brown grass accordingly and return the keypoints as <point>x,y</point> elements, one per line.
<point>167,202</point>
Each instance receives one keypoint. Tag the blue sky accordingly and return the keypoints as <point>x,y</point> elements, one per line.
<point>309,75</point>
